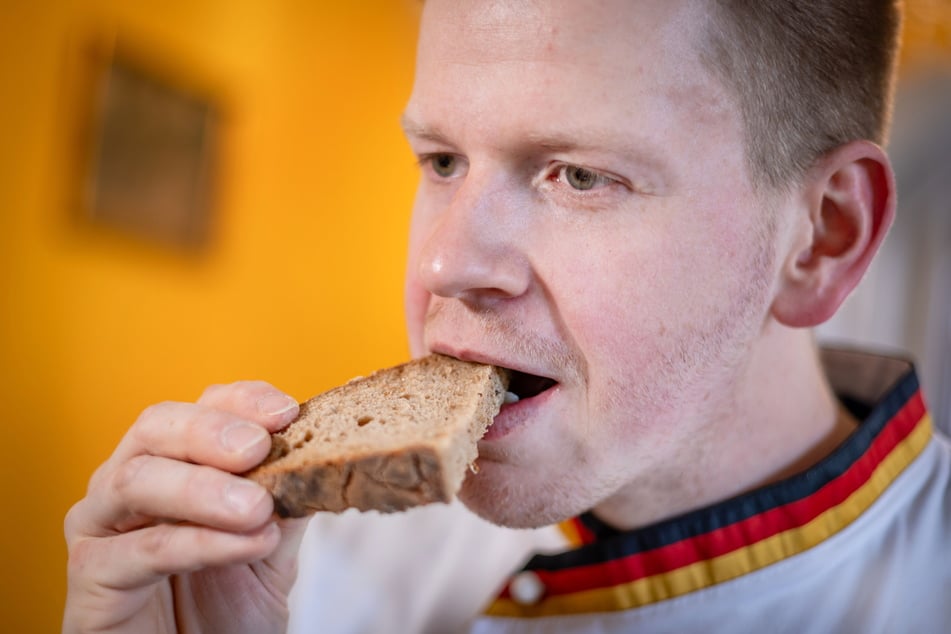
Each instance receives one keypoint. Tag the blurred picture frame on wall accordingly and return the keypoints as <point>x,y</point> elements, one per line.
<point>149,145</point>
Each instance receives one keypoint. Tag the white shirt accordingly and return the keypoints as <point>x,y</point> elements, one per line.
<point>861,542</point>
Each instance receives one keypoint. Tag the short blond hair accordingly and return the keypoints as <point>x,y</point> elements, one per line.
<point>808,75</point>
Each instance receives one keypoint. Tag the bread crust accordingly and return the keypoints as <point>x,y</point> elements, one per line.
<point>385,483</point>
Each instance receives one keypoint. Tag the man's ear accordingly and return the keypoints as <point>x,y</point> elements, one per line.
<point>849,204</point>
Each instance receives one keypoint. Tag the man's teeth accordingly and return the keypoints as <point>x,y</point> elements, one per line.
<point>510,397</point>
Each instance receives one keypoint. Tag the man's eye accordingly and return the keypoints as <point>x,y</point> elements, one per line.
<point>443,164</point>
<point>582,179</point>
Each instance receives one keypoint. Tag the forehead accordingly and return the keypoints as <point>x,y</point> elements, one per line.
<point>567,59</point>
<point>520,29</point>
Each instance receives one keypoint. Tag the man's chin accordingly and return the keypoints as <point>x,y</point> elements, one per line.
<point>511,506</point>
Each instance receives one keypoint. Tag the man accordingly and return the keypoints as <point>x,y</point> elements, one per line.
<point>641,208</point>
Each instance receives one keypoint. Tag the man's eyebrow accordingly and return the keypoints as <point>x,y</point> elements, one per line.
<point>413,128</point>
<point>637,151</point>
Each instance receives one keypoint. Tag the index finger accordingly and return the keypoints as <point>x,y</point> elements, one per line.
<point>254,400</point>
<point>195,433</point>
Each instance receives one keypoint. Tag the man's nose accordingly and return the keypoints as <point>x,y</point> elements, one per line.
<point>474,247</point>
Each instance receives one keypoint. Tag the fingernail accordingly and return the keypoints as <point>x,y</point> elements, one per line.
<point>244,495</point>
<point>242,437</point>
<point>274,404</point>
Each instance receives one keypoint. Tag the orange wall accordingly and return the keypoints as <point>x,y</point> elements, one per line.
<point>301,285</point>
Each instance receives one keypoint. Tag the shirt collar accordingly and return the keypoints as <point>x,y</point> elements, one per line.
<point>615,570</point>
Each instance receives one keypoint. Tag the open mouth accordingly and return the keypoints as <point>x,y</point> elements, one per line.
<point>523,386</point>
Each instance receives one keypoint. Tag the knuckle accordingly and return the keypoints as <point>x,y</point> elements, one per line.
<point>80,553</point>
<point>153,420</point>
<point>126,474</point>
<point>98,476</point>
<point>239,393</point>
<point>171,423</point>
<point>72,522</point>
<point>236,390</point>
<point>247,392</point>
<point>212,391</point>
<point>155,541</point>
<point>153,411</point>
<point>253,386</point>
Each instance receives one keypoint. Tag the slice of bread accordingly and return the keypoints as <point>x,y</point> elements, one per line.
<point>398,438</point>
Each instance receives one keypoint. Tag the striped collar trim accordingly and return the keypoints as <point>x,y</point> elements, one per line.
<point>613,570</point>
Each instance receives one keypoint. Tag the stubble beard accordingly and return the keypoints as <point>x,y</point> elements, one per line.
<point>708,355</point>
<point>691,390</point>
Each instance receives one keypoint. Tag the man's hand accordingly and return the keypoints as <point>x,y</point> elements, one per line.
<point>168,539</point>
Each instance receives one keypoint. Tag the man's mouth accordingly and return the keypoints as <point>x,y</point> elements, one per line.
<point>524,386</point>
<point>526,392</point>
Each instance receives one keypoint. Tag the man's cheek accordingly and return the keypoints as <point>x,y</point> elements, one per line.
<point>619,322</point>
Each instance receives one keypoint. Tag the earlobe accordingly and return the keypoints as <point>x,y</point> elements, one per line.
<point>849,204</point>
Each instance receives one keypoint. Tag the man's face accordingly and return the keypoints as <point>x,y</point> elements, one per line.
<point>584,215</point>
